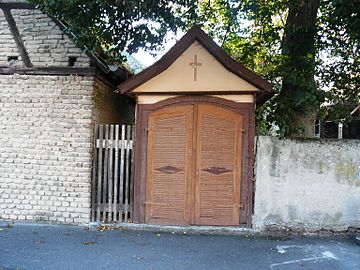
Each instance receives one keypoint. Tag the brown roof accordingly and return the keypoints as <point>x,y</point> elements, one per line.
<point>195,33</point>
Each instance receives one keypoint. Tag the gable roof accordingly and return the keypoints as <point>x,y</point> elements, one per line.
<point>195,33</point>
<point>115,75</point>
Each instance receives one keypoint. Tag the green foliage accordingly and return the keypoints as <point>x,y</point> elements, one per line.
<point>111,27</point>
<point>306,68</point>
<point>339,37</point>
<point>307,65</point>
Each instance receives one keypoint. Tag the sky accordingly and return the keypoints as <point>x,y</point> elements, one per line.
<point>147,59</point>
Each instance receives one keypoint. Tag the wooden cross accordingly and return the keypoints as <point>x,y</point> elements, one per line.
<point>194,66</point>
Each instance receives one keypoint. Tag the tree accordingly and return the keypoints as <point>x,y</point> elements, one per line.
<point>301,46</point>
<point>340,27</point>
<point>111,27</point>
<point>299,92</point>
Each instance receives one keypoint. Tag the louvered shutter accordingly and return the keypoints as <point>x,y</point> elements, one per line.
<point>218,162</point>
<point>169,152</point>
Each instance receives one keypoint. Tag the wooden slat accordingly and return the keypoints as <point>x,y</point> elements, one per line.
<point>127,172</point>
<point>105,176</point>
<point>93,180</point>
<point>111,144</point>
<point>116,177</point>
<point>122,161</point>
<point>99,178</point>
<point>131,195</point>
<point>110,171</point>
<point>112,183</point>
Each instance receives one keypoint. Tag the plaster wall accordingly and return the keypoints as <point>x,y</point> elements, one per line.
<point>304,184</point>
<point>211,75</point>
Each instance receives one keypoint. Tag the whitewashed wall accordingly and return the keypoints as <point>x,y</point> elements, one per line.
<point>307,184</point>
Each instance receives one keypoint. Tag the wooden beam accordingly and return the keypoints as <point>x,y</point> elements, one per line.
<point>17,6</point>
<point>60,71</point>
<point>16,34</point>
<point>199,93</point>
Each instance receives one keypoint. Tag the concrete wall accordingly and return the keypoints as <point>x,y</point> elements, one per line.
<point>307,184</point>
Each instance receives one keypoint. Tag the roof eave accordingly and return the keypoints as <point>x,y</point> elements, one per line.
<point>195,33</point>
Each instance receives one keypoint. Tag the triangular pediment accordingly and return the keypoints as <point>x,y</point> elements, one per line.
<point>195,70</point>
<point>196,64</point>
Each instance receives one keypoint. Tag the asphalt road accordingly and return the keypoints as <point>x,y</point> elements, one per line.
<point>25,247</point>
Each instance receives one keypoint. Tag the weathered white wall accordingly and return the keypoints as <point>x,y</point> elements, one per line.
<point>307,184</point>
<point>46,124</point>
<point>45,43</point>
<point>45,148</point>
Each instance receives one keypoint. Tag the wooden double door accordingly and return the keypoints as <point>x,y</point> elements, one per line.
<point>194,166</point>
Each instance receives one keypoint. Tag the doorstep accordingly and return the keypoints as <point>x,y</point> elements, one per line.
<point>208,230</point>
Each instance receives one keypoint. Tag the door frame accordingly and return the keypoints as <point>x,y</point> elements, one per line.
<point>140,173</point>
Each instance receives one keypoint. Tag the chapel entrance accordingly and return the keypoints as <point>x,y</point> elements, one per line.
<point>194,166</point>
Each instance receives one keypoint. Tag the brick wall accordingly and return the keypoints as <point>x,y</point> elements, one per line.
<point>111,108</point>
<point>46,44</point>
<point>46,124</point>
<point>45,148</point>
<point>7,45</point>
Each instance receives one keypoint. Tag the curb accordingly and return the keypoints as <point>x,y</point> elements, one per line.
<point>204,230</point>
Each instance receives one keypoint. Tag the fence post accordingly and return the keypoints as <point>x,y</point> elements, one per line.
<point>112,183</point>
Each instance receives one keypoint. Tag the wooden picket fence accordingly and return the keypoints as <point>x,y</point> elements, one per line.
<point>112,183</point>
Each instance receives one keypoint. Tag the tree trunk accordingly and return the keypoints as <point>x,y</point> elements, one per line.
<point>298,85</point>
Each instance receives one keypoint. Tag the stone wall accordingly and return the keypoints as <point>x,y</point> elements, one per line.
<point>307,184</point>
<point>45,148</point>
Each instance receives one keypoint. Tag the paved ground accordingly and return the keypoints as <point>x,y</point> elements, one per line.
<point>28,247</point>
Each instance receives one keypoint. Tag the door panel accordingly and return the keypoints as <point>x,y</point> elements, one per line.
<point>217,188</point>
<point>169,153</point>
<point>194,166</point>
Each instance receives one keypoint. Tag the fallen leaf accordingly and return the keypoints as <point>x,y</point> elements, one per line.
<point>88,243</point>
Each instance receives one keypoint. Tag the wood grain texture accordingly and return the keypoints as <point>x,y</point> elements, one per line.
<point>247,156</point>
<point>218,166</point>
<point>169,137</point>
